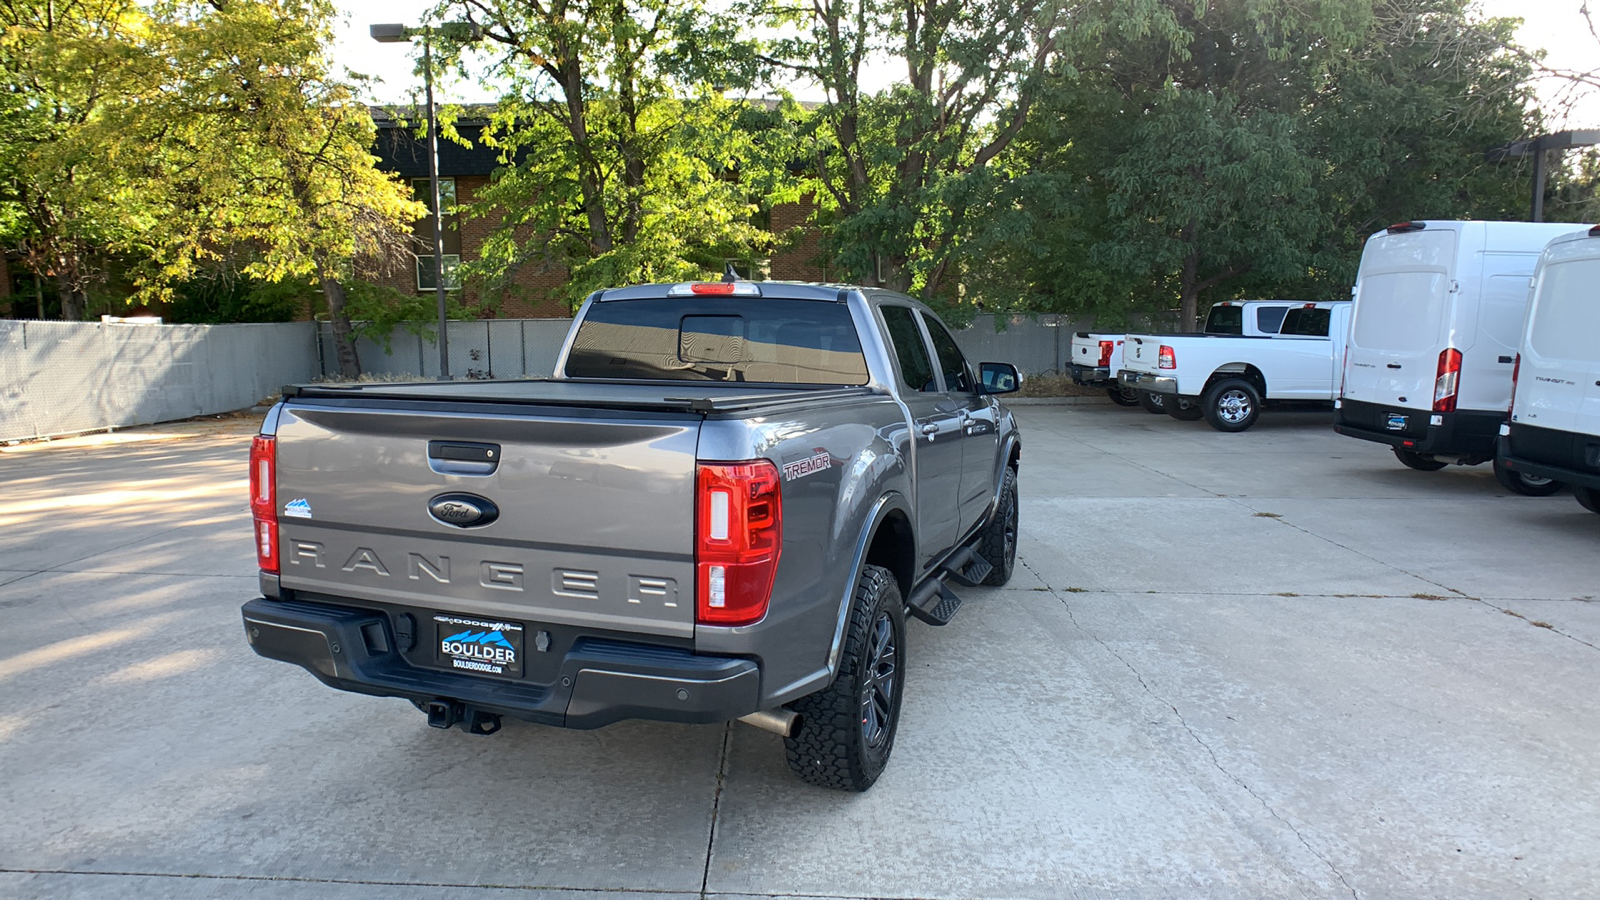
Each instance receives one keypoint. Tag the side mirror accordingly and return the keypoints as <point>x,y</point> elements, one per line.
<point>999,378</point>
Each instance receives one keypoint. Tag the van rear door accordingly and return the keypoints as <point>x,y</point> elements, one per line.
<point>1403,294</point>
<point>1557,384</point>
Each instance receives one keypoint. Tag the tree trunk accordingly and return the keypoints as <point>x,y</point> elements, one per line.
<point>74,302</point>
<point>1189,283</point>
<point>344,337</point>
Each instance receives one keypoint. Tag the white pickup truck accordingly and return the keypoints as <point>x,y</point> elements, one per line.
<point>1226,379</point>
<point>1096,358</point>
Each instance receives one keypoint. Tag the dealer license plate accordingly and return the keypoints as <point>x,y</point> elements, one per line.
<point>1396,423</point>
<point>478,646</point>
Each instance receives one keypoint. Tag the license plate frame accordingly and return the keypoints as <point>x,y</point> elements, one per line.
<point>475,646</point>
<point>1395,421</point>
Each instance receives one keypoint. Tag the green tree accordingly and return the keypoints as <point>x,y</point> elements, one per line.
<point>267,162</point>
<point>621,163</point>
<point>1252,154</point>
<point>63,199</point>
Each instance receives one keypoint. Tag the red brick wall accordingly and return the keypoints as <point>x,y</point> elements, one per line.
<point>801,260</point>
<point>534,292</point>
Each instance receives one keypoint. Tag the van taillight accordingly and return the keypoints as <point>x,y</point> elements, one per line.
<point>1516,370</point>
<point>738,537</point>
<point>1168,359</point>
<point>1344,368</point>
<point>1447,381</point>
<point>1105,352</point>
<point>264,500</point>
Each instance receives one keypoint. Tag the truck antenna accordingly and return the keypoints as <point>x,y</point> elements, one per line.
<point>730,274</point>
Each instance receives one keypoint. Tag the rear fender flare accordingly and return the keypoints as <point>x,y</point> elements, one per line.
<point>887,504</point>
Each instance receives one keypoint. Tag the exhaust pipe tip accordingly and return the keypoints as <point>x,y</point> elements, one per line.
<point>778,721</point>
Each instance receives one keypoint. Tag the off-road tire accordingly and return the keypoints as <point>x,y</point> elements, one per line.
<point>1152,402</point>
<point>998,545</point>
<point>1121,397</point>
<point>1588,498</point>
<point>832,746</point>
<point>1414,460</point>
<point>1184,409</point>
<point>1526,485</point>
<point>1231,405</point>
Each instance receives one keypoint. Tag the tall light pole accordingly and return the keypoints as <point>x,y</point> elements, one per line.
<point>1539,148</point>
<point>396,34</point>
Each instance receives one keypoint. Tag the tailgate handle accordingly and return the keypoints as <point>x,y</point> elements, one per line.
<point>1394,365</point>
<point>1506,360</point>
<point>463,457</point>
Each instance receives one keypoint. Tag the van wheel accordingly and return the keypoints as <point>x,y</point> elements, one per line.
<point>1232,404</point>
<point>1588,497</point>
<point>1184,409</point>
<point>1525,484</point>
<point>998,546</point>
<point>1152,402</point>
<point>1414,460</point>
<point>846,730</point>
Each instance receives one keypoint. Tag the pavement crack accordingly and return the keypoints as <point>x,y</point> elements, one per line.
<point>1535,622</point>
<point>716,807</point>
<point>1212,754</point>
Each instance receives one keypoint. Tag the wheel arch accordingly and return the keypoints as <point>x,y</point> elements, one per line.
<point>1243,370</point>
<point>888,539</point>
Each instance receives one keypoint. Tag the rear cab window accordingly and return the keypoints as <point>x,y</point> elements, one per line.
<point>1270,318</point>
<point>1225,320</point>
<point>730,339</point>
<point>1303,322</point>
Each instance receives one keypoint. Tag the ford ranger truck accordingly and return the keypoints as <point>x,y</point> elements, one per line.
<point>723,505</point>
<point>1096,358</point>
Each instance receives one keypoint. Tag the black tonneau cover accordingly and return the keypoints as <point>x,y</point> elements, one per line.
<point>664,396</point>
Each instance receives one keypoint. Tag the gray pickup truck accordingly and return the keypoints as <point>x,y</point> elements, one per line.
<point>722,506</point>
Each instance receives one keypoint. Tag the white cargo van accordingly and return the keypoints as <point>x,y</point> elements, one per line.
<point>1438,318</point>
<point>1554,432</point>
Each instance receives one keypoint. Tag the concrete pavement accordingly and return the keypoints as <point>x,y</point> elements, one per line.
<point>1274,664</point>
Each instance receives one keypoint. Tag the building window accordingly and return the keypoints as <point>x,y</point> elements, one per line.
<point>452,281</point>
<point>756,269</point>
<point>451,232</point>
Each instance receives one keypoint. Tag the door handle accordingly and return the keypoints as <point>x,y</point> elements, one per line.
<point>1394,365</point>
<point>1506,360</point>
<point>930,428</point>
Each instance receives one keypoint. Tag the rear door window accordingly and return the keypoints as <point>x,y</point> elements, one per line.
<point>719,339</point>
<point>1566,315</point>
<point>1400,311</point>
<point>916,371</point>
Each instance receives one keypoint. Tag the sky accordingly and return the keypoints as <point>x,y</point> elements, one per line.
<point>1552,25</point>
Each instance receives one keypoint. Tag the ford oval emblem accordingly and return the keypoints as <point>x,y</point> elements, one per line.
<point>463,510</point>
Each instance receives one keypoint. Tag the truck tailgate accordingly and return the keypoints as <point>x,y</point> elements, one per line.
<point>593,511</point>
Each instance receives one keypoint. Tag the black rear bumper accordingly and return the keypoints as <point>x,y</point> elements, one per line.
<point>600,681</point>
<point>1467,435</point>
<point>1091,376</point>
<point>1546,453</point>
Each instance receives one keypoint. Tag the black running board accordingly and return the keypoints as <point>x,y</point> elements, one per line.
<point>933,601</point>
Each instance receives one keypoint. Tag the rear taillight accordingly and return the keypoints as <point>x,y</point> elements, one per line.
<point>738,536</point>
<point>1344,366</point>
<point>264,500</point>
<point>1447,381</point>
<point>1105,352</point>
<point>1516,370</point>
<point>1168,359</point>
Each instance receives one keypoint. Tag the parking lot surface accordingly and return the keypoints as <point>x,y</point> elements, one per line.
<point>1265,665</point>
